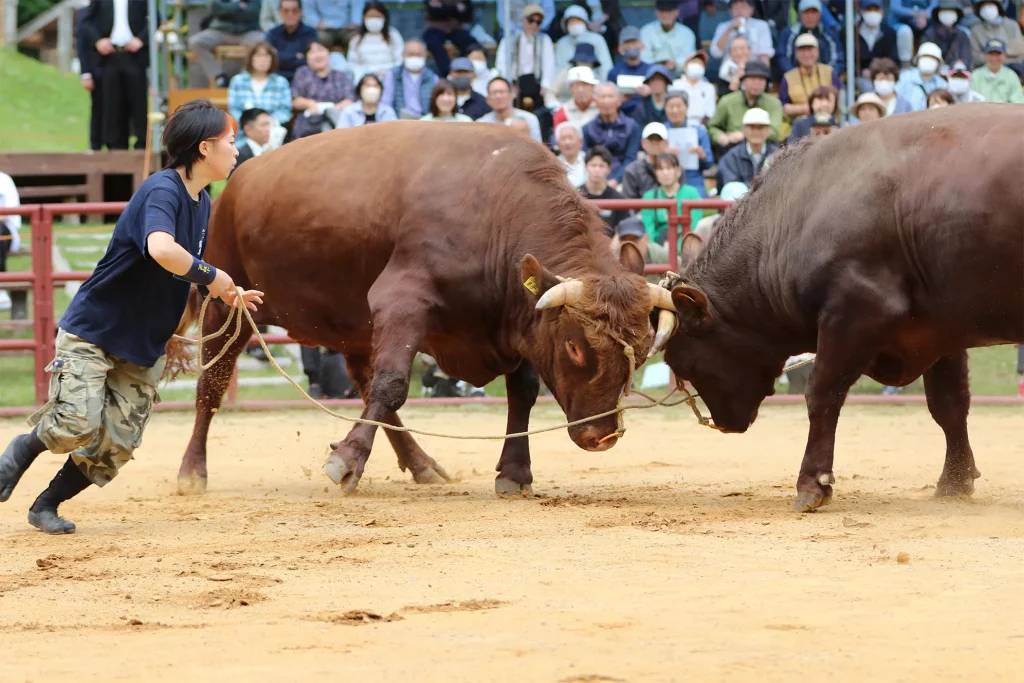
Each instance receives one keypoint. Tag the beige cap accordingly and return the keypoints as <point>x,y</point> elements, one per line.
<point>806,40</point>
<point>868,98</point>
<point>530,10</point>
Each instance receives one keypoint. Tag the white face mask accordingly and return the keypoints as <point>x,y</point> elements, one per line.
<point>947,17</point>
<point>695,71</point>
<point>577,29</point>
<point>928,65</point>
<point>990,13</point>
<point>884,87</point>
<point>374,24</point>
<point>873,19</point>
<point>958,86</point>
<point>480,67</point>
<point>414,64</point>
<point>371,95</point>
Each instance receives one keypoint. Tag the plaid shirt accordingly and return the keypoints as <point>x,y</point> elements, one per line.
<point>276,98</point>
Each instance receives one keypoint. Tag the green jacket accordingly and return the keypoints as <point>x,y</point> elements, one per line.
<point>656,220</point>
<point>728,116</point>
<point>229,17</point>
<point>1001,86</point>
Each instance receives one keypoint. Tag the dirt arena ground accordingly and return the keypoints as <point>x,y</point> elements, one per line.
<point>672,557</point>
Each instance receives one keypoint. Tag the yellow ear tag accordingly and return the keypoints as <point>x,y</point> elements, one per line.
<point>531,285</point>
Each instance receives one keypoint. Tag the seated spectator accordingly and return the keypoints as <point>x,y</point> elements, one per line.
<point>231,23</point>
<point>743,162</point>
<point>823,124</point>
<point>632,64</point>
<point>367,108</point>
<point>756,31</point>
<point>581,109</point>
<point>599,165</point>
<point>959,78</point>
<point>335,20</point>
<point>499,97</point>
<point>319,94</point>
<point>10,241</point>
<point>482,74</point>
<point>632,230</point>
<point>652,107</point>
<point>700,93</point>
<point>676,108</point>
<point>730,73</point>
<point>995,25</point>
<point>913,14</point>
<point>584,56</point>
<point>666,41</point>
<point>468,101</point>
<point>377,46</point>
<point>446,21</point>
<point>256,124</point>
<point>613,130</point>
<point>827,43</point>
<point>944,32</point>
<point>824,99</point>
<point>884,73</point>
<point>259,85</point>
<point>574,22</point>
<point>799,82</point>
<point>639,176</point>
<point>940,98</point>
<point>917,83</point>
<point>994,81</point>
<point>407,88</point>
<point>726,127</point>
<point>443,105</point>
<point>868,107</point>
<point>570,145</point>
<point>291,38</point>
<point>531,55</point>
<point>670,186</point>
<point>875,39</point>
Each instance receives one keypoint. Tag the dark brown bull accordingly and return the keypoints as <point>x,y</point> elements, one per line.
<point>889,249</point>
<point>395,238</point>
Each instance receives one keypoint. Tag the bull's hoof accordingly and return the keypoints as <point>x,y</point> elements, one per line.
<point>432,474</point>
<point>954,487</point>
<point>811,496</point>
<point>507,487</point>
<point>345,469</point>
<point>191,485</point>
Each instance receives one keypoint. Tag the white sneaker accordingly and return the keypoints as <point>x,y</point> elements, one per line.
<point>5,300</point>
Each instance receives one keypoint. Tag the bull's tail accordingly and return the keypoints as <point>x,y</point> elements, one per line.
<point>180,358</point>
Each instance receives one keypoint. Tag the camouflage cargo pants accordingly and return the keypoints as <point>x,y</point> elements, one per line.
<point>98,406</point>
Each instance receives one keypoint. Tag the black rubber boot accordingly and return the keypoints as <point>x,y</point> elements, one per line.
<point>68,483</point>
<point>20,453</point>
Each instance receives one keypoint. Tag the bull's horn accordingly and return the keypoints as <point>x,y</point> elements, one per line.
<point>563,294</point>
<point>666,326</point>
<point>660,297</point>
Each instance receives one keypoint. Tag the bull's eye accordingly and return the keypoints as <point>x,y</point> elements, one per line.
<point>575,353</point>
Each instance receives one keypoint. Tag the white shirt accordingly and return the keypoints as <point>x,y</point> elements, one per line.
<point>257,149</point>
<point>577,173</point>
<point>121,33</point>
<point>8,198</point>
<point>702,100</point>
<point>757,33</point>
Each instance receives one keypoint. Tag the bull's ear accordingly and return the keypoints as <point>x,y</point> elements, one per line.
<point>536,278</point>
<point>693,308</point>
<point>631,258</point>
<point>692,244</point>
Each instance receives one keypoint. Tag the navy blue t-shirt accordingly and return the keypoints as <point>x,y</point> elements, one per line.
<point>130,306</point>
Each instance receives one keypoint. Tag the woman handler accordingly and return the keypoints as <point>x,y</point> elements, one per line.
<point>111,345</point>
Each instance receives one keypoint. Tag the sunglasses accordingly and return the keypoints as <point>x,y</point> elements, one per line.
<point>535,20</point>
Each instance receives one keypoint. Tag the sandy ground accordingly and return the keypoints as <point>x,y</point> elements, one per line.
<point>672,557</point>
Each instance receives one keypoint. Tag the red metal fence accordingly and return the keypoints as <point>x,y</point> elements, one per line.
<point>43,279</point>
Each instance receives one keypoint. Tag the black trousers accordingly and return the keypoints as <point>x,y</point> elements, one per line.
<point>96,116</point>
<point>124,99</point>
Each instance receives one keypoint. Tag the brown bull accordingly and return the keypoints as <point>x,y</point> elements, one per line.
<point>889,249</point>
<point>450,239</point>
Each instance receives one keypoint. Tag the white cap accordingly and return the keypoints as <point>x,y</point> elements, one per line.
<point>930,50</point>
<point>733,190</point>
<point>809,4</point>
<point>582,74</point>
<point>806,40</point>
<point>757,117</point>
<point>655,128</point>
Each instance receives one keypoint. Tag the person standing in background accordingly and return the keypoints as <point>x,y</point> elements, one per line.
<point>89,65</point>
<point>10,240</point>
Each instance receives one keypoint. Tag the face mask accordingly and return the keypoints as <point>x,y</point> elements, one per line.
<point>371,95</point>
<point>884,88</point>
<point>990,13</point>
<point>415,64</point>
<point>958,86</point>
<point>874,19</point>
<point>480,67</point>
<point>374,24</point>
<point>937,106</point>
<point>695,71</point>
<point>928,65</point>
<point>462,82</point>
<point>577,29</point>
<point>631,53</point>
<point>947,18</point>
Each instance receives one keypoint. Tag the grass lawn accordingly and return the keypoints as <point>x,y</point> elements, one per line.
<point>41,109</point>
